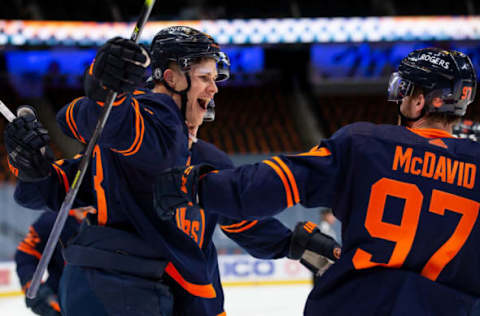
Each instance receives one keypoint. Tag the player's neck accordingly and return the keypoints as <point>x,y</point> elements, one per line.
<point>160,88</point>
<point>424,123</point>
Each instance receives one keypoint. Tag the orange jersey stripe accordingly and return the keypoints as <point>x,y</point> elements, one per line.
<point>309,226</point>
<point>317,152</point>
<point>26,248</point>
<point>234,225</point>
<point>139,132</point>
<point>116,103</point>
<point>202,214</point>
<point>291,178</point>
<point>54,305</point>
<point>284,181</point>
<point>222,314</point>
<point>13,170</point>
<point>98,179</point>
<point>200,290</point>
<point>63,177</point>
<point>241,229</point>
<point>71,122</point>
<point>26,286</point>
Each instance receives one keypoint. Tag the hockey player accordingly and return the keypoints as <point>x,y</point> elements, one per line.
<point>406,195</point>
<point>29,252</point>
<point>129,251</point>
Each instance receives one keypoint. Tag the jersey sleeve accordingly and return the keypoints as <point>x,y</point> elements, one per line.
<point>312,179</point>
<point>265,239</point>
<point>29,250</point>
<point>134,130</point>
<point>49,194</point>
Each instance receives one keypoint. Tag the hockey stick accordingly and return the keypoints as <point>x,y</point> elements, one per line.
<point>72,193</point>
<point>6,112</point>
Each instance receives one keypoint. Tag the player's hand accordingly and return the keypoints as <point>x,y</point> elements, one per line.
<point>178,187</point>
<point>314,249</point>
<point>46,302</point>
<point>119,65</point>
<point>29,155</point>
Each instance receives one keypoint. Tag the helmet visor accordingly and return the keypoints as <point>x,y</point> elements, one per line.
<point>210,114</point>
<point>398,88</point>
<point>223,67</point>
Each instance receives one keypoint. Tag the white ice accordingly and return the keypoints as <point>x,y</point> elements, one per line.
<point>284,300</point>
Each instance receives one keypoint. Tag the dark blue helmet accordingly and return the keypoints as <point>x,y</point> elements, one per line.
<point>447,78</point>
<point>184,45</point>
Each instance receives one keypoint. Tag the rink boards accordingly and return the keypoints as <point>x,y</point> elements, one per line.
<point>235,270</point>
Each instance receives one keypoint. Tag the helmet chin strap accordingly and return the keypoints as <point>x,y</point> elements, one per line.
<point>183,94</point>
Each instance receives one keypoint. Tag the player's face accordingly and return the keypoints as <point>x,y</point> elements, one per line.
<point>202,90</point>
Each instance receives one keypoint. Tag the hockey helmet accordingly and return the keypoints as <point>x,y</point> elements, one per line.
<point>184,45</point>
<point>447,78</point>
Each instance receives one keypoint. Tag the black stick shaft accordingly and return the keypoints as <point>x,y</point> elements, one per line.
<point>72,193</point>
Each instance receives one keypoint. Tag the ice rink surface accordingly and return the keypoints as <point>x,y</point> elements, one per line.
<point>283,300</point>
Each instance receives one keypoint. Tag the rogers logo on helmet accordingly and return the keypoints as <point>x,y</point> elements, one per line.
<point>435,60</point>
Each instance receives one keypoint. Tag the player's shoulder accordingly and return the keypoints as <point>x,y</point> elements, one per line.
<point>367,129</point>
<point>156,103</point>
<point>205,152</point>
<point>464,147</point>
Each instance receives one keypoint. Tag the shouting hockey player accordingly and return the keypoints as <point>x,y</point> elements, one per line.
<point>129,259</point>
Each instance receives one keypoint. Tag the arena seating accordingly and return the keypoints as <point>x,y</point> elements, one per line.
<point>255,119</point>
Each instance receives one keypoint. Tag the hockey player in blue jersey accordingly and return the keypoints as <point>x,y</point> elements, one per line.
<point>128,248</point>
<point>263,239</point>
<point>406,195</point>
<point>29,252</point>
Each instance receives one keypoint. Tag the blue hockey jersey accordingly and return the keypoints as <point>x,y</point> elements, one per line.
<point>30,249</point>
<point>144,135</point>
<point>408,202</point>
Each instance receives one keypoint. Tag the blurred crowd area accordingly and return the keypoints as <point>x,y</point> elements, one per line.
<point>126,10</point>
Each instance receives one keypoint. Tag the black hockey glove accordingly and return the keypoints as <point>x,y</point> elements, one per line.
<point>29,155</point>
<point>119,66</point>
<point>177,187</point>
<point>313,247</point>
<point>46,302</point>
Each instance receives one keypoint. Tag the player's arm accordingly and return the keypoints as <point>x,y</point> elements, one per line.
<point>50,193</point>
<point>266,238</point>
<point>270,239</point>
<point>253,191</point>
<point>135,132</point>
<point>27,256</point>
<point>118,66</point>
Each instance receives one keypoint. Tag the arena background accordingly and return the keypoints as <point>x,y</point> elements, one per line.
<point>300,71</point>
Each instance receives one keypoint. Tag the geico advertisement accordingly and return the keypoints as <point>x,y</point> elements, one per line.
<point>8,278</point>
<point>246,268</point>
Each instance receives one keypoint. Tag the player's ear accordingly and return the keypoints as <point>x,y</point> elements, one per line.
<point>169,77</point>
<point>418,103</point>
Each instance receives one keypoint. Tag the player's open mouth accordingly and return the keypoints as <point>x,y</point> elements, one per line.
<point>203,103</point>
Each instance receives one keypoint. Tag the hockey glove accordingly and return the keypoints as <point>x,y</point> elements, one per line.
<point>29,155</point>
<point>312,247</point>
<point>178,187</point>
<point>46,302</point>
<point>119,66</point>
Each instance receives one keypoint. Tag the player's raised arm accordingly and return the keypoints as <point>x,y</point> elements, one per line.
<point>119,66</point>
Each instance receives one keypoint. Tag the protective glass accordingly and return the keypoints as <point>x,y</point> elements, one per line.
<point>210,114</point>
<point>223,67</point>
<point>398,87</point>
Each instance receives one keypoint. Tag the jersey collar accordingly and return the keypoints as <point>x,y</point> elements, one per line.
<point>431,132</point>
